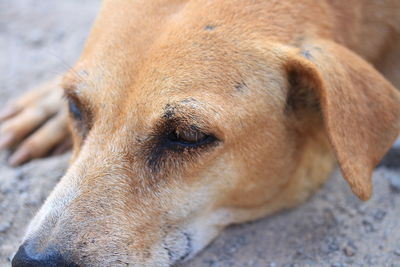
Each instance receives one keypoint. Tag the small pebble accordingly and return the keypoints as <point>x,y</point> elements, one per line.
<point>9,258</point>
<point>379,215</point>
<point>368,226</point>
<point>394,183</point>
<point>299,253</point>
<point>60,36</point>
<point>349,251</point>
<point>397,252</point>
<point>19,174</point>
<point>333,247</point>
<point>35,38</point>
<point>362,209</point>
<point>329,218</point>
<point>5,226</point>
<point>211,263</point>
<point>232,250</point>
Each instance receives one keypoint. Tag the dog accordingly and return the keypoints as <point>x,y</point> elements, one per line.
<point>188,116</point>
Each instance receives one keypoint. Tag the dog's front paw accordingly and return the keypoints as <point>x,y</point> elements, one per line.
<point>35,124</point>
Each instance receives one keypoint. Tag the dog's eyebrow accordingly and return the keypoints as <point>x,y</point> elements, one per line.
<point>70,85</point>
<point>183,108</point>
<point>73,80</point>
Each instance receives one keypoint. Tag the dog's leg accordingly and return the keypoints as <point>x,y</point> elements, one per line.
<point>34,124</point>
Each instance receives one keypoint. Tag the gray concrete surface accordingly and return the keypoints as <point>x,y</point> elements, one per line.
<point>41,38</point>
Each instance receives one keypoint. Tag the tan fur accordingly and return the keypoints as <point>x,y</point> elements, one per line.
<point>285,86</point>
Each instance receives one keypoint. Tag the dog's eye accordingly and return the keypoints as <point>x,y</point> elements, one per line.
<point>176,144</point>
<point>189,137</point>
<point>74,110</point>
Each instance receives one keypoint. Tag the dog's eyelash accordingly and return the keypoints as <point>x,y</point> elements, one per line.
<point>183,139</point>
<point>172,146</point>
<point>191,137</point>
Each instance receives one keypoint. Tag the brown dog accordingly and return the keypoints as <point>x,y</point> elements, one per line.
<point>188,116</point>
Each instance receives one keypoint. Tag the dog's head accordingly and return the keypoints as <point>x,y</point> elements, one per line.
<point>177,137</point>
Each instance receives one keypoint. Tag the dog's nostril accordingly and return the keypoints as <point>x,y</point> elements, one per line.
<point>26,257</point>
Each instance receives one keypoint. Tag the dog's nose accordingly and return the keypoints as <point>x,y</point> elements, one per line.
<point>26,257</point>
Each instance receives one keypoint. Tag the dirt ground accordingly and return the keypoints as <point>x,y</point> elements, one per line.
<point>41,38</point>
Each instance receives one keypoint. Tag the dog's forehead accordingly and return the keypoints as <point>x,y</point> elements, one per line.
<point>199,59</point>
<point>162,80</point>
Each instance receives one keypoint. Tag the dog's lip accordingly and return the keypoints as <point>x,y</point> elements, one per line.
<point>176,256</point>
<point>189,249</point>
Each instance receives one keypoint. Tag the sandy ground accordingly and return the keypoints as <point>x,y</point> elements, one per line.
<point>41,38</point>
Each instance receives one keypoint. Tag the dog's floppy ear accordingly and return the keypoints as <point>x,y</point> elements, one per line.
<point>360,108</point>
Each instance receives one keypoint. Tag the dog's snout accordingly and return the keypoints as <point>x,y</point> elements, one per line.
<point>27,257</point>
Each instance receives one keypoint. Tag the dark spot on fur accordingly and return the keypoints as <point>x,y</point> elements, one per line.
<point>241,86</point>
<point>188,100</point>
<point>309,51</point>
<point>391,159</point>
<point>169,111</point>
<point>307,54</point>
<point>209,27</point>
